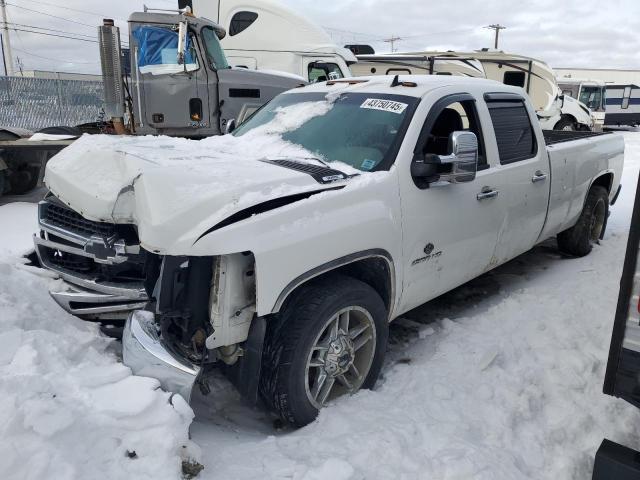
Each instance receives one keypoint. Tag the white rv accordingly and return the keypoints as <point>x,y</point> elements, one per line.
<point>592,93</point>
<point>623,105</point>
<point>267,35</point>
<point>534,76</point>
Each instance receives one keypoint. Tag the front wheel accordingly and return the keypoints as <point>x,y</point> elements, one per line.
<point>330,341</point>
<point>579,239</point>
<point>566,125</point>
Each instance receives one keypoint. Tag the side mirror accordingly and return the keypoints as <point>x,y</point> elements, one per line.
<point>459,167</point>
<point>231,126</point>
<point>182,42</point>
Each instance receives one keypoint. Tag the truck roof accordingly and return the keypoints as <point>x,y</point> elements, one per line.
<point>423,84</point>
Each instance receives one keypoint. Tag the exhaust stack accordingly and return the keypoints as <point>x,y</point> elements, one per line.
<point>111,64</point>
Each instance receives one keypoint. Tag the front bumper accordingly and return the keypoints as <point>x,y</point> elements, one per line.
<point>144,353</point>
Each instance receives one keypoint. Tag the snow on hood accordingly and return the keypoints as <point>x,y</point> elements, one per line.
<point>155,180</point>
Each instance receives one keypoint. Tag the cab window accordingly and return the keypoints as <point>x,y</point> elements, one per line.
<point>215,54</point>
<point>515,136</point>
<point>241,21</point>
<point>323,71</point>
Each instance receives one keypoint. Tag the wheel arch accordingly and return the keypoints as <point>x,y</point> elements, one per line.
<point>566,116</point>
<point>604,180</point>
<point>374,267</point>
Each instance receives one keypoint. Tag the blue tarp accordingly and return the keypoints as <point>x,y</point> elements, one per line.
<point>159,46</point>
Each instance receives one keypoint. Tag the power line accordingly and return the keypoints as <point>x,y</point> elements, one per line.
<point>497,27</point>
<point>50,15</point>
<point>47,29</point>
<point>392,40</point>
<point>54,59</point>
<point>95,14</point>
<point>54,35</point>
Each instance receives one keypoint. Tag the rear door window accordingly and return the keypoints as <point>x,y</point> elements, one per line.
<point>514,133</point>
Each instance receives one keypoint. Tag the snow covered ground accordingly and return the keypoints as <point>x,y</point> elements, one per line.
<point>500,379</point>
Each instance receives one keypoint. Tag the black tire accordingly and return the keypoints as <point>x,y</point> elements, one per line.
<point>284,383</point>
<point>24,179</point>
<point>579,239</point>
<point>3,181</point>
<point>565,124</point>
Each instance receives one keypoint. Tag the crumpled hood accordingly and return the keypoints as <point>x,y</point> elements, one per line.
<point>167,186</point>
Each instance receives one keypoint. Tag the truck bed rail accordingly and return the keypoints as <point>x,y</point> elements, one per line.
<point>551,137</point>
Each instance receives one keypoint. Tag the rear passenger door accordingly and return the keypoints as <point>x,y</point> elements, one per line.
<point>523,174</point>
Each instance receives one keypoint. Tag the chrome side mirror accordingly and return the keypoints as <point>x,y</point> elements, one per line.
<point>231,126</point>
<point>463,160</point>
<point>459,167</point>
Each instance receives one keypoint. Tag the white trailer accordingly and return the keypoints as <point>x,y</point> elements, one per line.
<point>267,35</point>
<point>623,105</point>
<point>555,112</point>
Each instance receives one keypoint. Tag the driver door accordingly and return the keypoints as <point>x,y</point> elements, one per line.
<point>450,230</point>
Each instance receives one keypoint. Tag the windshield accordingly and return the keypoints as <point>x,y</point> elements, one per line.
<point>361,130</point>
<point>158,50</point>
<point>592,97</point>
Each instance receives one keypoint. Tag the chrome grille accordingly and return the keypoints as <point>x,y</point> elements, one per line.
<point>67,219</point>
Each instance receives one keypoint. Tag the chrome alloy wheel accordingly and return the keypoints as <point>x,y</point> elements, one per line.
<point>341,356</point>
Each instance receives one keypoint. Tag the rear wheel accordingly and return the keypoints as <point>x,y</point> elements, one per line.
<point>579,239</point>
<point>329,341</point>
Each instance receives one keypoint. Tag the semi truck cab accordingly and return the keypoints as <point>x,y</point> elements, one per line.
<point>181,83</point>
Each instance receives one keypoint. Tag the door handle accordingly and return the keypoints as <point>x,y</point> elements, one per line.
<point>539,177</point>
<point>487,192</point>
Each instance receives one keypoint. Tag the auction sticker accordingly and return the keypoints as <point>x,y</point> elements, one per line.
<point>384,105</point>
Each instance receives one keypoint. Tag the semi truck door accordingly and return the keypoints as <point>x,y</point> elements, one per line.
<point>622,377</point>
<point>173,94</point>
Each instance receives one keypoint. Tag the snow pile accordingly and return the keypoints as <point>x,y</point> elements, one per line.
<point>69,408</point>
<point>500,379</point>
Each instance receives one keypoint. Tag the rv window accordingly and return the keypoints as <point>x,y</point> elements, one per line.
<point>213,49</point>
<point>514,133</point>
<point>626,96</point>
<point>321,72</point>
<point>241,21</point>
<point>514,78</point>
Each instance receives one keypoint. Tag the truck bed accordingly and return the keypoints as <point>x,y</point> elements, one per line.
<point>551,137</point>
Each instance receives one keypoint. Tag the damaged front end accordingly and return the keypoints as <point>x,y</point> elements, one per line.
<point>201,313</point>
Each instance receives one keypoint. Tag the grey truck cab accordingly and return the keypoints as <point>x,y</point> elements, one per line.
<point>181,83</point>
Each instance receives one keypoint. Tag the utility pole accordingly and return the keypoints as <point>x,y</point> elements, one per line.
<point>496,26</point>
<point>6,44</point>
<point>391,40</point>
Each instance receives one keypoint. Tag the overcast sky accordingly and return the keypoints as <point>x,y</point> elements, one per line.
<point>586,33</point>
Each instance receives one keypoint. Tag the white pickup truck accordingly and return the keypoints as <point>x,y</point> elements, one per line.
<point>281,252</point>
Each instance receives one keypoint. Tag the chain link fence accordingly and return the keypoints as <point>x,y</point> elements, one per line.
<point>35,103</point>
